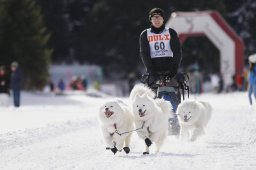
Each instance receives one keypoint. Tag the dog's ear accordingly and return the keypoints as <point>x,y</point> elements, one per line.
<point>136,97</point>
<point>194,105</point>
<point>120,106</point>
<point>149,96</point>
<point>143,95</point>
<point>120,101</point>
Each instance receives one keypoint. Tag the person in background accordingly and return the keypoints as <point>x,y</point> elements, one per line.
<point>84,82</point>
<point>61,85</point>
<point>252,82</point>
<point>16,83</point>
<point>73,83</point>
<point>245,75</point>
<point>51,85</point>
<point>198,82</point>
<point>4,87</point>
<point>239,82</point>
<point>221,83</point>
<point>215,82</point>
<point>79,83</point>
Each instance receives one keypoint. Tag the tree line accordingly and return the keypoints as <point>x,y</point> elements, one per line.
<point>103,32</point>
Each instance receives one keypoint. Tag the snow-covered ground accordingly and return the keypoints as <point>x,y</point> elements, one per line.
<point>62,132</point>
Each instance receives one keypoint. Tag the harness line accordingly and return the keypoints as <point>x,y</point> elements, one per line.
<point>128,131</point>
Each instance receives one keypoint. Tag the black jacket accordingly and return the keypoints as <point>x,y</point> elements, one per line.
<point>168,65</point>
<point>16,80</point>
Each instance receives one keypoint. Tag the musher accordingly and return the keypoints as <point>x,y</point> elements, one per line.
<point>160,51</point>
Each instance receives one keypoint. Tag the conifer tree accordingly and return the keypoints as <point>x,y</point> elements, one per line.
<point>24,39</point>
<point>112,29</point>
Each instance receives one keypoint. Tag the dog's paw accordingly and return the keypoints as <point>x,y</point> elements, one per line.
<point>126,149</point>
<point>114,150</point>
<point>148,142</point>
<point>145,153</point>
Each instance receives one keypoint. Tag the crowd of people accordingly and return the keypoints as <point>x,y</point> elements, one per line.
<point>10,84</point>
<point>200,82</point>
<point>76,83</point>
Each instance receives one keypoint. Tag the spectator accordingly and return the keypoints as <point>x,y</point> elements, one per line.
<point>76,83</point>
<point>16,83</point>
<point>51,85</point>
<point>252,82</point>
<point>4,87</point>
<point>221,83</point>
<point>80,84</point>
<point>233,84</point>
<point>245,79</point>
<point>73,83</point>
<point>215,82</point>
<point>61,85</point>
<point>239,82</point>
<point>84,82</point>
<point>198,82</point>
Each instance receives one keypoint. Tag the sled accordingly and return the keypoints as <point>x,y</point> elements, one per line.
<point>170,88</point>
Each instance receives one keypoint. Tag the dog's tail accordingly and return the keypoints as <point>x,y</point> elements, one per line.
<point>208,108</point>
<point>140,89</point>
<point>165,106</point>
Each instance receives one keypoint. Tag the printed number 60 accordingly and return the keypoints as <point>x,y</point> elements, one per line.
<point>159,45</point>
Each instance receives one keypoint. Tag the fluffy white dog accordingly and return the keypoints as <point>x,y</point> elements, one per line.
<point>150,115</point>
<point>193,117</point>
<point>117,124</point>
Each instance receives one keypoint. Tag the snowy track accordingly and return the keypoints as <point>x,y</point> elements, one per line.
<point>63,133</point>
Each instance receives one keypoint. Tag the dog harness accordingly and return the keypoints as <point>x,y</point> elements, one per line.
<point>120,134</point>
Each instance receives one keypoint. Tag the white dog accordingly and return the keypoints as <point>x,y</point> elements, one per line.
<point>151,116</point>
<point>117,124</point>
<point>193,117</point>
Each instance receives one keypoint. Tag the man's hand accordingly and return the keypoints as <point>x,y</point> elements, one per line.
<point>152,79</point>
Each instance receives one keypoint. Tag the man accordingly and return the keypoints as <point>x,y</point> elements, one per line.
<point>16,83</point>
<point>160,52</point>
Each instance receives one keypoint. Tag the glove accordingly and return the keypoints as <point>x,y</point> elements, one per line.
<point>152,79</point>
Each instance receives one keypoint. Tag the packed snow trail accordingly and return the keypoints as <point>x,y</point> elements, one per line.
<point>63,133</point>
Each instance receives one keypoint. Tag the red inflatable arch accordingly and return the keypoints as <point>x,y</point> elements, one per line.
<point>213,26</point>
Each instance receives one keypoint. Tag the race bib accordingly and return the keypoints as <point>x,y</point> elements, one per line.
<point>159,44</point>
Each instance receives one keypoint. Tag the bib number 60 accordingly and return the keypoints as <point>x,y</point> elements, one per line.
<point>158,45</point>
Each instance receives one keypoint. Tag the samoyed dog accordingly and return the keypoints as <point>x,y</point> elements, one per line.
<point>150,116</point>
<point>193,117</point>
<point>116,125</point>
